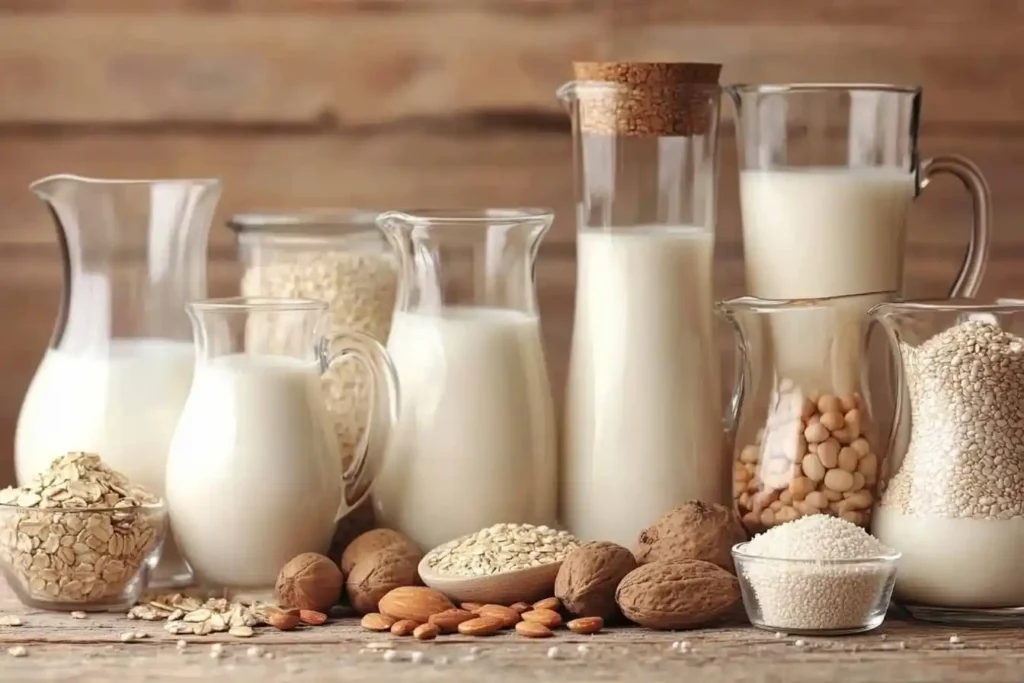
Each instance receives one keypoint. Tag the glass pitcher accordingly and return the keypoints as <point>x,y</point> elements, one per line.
<point>952,490</point>
<point>827,176</point>
<point>643,425</point>
<point>118,368</point>
<point>254,475</point>
<point>804,441</point>
<point>475,444</point>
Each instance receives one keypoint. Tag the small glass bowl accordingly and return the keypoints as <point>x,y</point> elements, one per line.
<point>815,597</point>
<point>88,559</point>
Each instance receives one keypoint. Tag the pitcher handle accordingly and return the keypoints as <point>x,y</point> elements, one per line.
<point>968,280</point>
<point>383,415</point>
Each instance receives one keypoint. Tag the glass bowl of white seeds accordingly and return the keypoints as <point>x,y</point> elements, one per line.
<point>818,575</point>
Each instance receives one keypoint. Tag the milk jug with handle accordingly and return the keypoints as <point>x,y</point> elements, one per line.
<point>118,367</point>
<point>254,475</point>
<point>643,428</point>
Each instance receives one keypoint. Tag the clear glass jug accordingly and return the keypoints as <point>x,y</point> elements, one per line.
<point>804,439</point>
<point>952,489</point>
<point>254,475</point>
<point>475,444</point>
<point>643,426</point>
<point>118,368</point>
<point>827,176</point>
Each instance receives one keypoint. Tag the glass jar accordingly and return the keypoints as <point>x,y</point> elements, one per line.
<point>336,256</point>
<point>952,491</point>
<point>803,439</point>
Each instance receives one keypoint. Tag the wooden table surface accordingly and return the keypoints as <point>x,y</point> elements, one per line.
<point>90,650</point>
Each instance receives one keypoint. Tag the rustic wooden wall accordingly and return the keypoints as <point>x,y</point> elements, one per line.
<point>299,103</point>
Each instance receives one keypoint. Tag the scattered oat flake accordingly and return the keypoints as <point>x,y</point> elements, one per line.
<point>254,651</point>
<point>181,644</point>
<point>955,639</point>
<point>392,656</point>
<point>583,648</point>
<point>416,657</point>
<point>78,615</point>
<point>554,653</point>
<point>268,655</point>
<point>10,620</point>
<point>779,635</point>
<point>128,637</point>
<point>17,651</point>
<point>800,643</point>
<point>241,632</point>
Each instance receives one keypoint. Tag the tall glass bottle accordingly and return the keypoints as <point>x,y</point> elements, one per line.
<point>643,429</point>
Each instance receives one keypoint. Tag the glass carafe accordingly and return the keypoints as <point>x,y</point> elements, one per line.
<point>475,444</point>
<point>952,490</point>
<point>804,441</point>
<point>254,475</point>
<point>643,427</point>
<point>118,368</point>
<point>828,173</point>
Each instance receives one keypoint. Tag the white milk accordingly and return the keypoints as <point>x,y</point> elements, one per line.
<point>643,429</point>
<point>475,442</point>
<point>254,476</point>
<point>824,232</point>
<point>954,562</point>
<point>122,403</point>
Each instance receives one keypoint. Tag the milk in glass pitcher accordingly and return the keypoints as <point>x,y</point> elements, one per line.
<point>119,365</point>
<point>643,426</point>
<point>475,444</point>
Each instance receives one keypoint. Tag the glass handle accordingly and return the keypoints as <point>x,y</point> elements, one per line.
<point>383,414</point>
<point>968,280</point>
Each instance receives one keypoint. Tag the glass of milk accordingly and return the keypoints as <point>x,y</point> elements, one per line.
<point>119,365</point>
<point>643,428</point>
<point>254,475</point>
<point>475,444</point>
<point>827,176</point>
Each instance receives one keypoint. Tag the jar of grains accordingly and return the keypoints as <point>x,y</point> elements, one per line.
<point>338,257</point>
<point>952,494</point>
<point>802,434</point>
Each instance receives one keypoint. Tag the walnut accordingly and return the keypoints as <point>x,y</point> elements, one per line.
<point>372,541</point>
<point>694,531</point>
<point>675,595</point>
<point>309,581</point>
<point>377,574</point>
<point>588,578</point>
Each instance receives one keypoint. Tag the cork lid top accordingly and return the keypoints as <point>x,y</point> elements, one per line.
<point>652,98</point>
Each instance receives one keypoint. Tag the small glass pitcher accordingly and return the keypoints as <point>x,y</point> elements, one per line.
<point>118,367</point>
<point>475,444</point>
<point>952,489</point>
<point>254,475</point>
<point>802,429</point>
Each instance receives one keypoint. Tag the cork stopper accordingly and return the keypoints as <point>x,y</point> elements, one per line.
<point>652,99</point>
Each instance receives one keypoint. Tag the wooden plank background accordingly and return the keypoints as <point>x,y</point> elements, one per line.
<point>382,103</point>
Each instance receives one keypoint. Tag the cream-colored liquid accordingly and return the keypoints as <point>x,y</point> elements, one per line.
<point>122,403</point>
<point>643,429</point>
<point>475,442</point>
<point>253,477</point>
<point>961,562</point>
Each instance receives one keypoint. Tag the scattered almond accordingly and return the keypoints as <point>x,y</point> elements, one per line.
<point>521,607</point>
<point>506,615</point>
<point>548,617</point>
<point>586,625</point>
<point>473,607</point>
<point>417,603</point>
<point>283,620</point>
<point>426,632</point>
<point>448,621</point>
<point>533,629</point>
<point>376,622</point>
<point>553,604</point>
<point>312,617</point>
<point>403,627</point>
<point>481,626</point>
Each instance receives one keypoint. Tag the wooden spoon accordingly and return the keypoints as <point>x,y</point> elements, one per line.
<point>506,588</point>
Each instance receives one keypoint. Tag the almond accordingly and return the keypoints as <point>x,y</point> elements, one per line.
<point>548,617</point>
<point>417,603</point>
<point>312,617</point>
<point>404,627</point>
<point>586,625</point>
<point>473,607</point>
<point>506,615</point>
<point>376,622</point>
<point>283,620</point>
<point>533,629</point>
<point>521,607</point>
<point>426,632</point>
<point>553,604</point>
<point>448,621</point>
<point>480,626</point>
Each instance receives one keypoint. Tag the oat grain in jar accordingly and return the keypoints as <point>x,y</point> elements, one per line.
<point>804,441</point>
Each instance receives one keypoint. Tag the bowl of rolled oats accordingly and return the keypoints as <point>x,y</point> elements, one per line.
<point>80,536</point>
